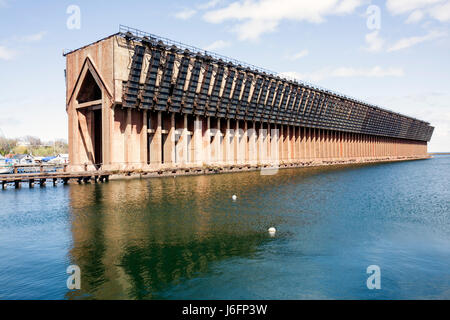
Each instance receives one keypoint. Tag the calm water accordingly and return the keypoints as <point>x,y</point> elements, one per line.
<point>185,238</point>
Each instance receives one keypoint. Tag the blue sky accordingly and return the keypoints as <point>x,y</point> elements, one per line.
<point>393,53</point>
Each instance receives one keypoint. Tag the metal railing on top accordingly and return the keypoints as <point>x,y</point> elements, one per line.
<point>123,30</point>
<point>139,34</point>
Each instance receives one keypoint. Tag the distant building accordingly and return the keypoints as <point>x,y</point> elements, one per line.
<point>60,159</point>
<point>23,159</point>
<point>22,143</point>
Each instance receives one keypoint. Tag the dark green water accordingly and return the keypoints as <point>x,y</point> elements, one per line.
<point>185,238</point>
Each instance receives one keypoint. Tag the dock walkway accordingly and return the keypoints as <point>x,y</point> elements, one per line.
<point>55,177</point>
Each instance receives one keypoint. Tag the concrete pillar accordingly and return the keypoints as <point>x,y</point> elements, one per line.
<point>226,143</point>
<point>334,145</point>
<point>197,143</point>
<point>308,143</point>
<point>144,138</point>
<point>290,140</point>
<point>257,144</point>
<point>344,144</point>
<point>215,145</point>
<point>269,143</point>
<point>297,143</point>
<point>329,144</point>
<point>294,144</point>
<point>184,141</point>
<point>107,125</point>
<point>264,143</point>
<point>236,143</point>
<point>156,142</point>
<point>206,128</point>
<point>245,143</point>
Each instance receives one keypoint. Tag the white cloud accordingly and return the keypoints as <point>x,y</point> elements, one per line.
<point>185,14</point>
<point>209,4</point>
<point>441,12</point>
<point>298,55</point>
<point>436,9</point>
<point>32,37</point>
<point>345,72</point>
<point>415,16</point>
<point>219,44</point>
<point>256,17</point>
<point>404,6</point>
<point>374,42</point>
<point>189,13</point>
<point>412,41</point>
<point>6,54</point>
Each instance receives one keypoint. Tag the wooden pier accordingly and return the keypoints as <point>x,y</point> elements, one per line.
<point>41,178</point>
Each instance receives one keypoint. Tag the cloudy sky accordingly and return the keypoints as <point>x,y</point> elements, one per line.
<point>394,53</point>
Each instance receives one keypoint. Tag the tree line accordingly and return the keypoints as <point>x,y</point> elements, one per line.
<point>32,145</point>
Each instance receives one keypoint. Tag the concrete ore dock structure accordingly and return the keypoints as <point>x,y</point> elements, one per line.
<point>140,103</point>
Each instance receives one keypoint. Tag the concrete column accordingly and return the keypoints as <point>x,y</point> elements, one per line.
<point>328,139</point>
<point>258,143</point>
<point>169,144</point>
<point>329,144</point>
<point>215,145</point>
<point>302,132</point>
<point>280,144</point>
<point>262,143</point>
<point>324,144</point>
<point>358,151</point>
<point>184,141</point>
<point>206,128</point>
<point>336,145</point>
<point>353,145</point>
<point>246,144</point>
<point>314,153</point>
<point>236,143</point>
<point>331,147</point>
<point>344,144</point>
<point>333,144</point>
<point>255,143</point>
<point>295,144</point>
<point>144,138</point>
<point>291,147</point>
<point>226,143</point>
<point>308,143</point>
<point>107,125</point>
<point>197,142</point>
<point>298,143</point>
<point>156,142</point>
<point>320,144</point>
<point>269,143</point>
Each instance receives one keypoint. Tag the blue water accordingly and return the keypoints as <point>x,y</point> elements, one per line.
<point>185,238</point>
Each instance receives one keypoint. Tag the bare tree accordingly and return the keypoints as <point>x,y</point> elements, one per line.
<point>7,145</point>
<point>33,141</point>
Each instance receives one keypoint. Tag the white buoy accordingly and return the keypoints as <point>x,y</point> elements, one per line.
<point>272,230</point>
<point>234,197</point>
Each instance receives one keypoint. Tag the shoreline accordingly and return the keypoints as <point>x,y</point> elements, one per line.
<point>215,169</point>
<point>86,177</point>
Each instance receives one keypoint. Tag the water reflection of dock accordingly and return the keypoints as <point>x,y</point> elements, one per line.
<point>32,174</point>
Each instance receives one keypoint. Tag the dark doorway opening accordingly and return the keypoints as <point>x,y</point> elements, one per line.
<point>98,152</point>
